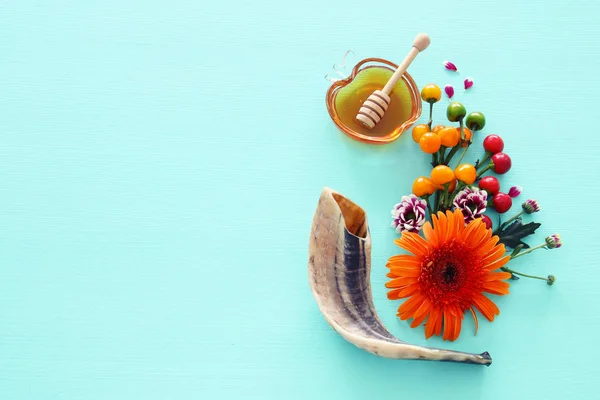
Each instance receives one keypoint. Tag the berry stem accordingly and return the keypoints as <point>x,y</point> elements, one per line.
<point>451,154</point>
<point>506,269</point>
<point>428,206</point>
<point>442,154</point>
<point>457,189</point>
<point>462,155</point>
<point>445,195</point>
<point>430,115</point>
<point>437,201</point>
<point>487,157</point>
<point>487,167</point>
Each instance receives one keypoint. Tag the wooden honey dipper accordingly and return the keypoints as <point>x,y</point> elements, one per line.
<point>375,106</point>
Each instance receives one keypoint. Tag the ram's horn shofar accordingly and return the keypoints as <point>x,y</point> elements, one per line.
<point>339,273</point>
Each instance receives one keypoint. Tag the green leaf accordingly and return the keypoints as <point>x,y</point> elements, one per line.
<point>511,235</point>
<point>517,250</point>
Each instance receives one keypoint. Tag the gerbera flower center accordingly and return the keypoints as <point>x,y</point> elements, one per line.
<point>446,273</point>
<point>449,274</point>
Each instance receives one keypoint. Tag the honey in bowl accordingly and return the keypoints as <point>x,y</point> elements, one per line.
<point>345,98</point>
<point>351,97</point>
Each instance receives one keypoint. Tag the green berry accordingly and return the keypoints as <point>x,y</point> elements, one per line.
<point>455,111</point>
<point>475,121</point>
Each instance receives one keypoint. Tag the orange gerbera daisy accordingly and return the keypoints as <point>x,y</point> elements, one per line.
<point>447,274</point>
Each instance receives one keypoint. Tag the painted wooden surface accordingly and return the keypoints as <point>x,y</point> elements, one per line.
<point>160,162</point>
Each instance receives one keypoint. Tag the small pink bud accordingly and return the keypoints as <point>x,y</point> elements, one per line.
<point>449,91</point>
<point>531,206</point>
<point>450,66</point>
<point>553,241</point>
<point>515,191</point>
<point>468,83</point>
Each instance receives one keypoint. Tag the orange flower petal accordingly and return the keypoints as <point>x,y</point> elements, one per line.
<point>407,291</point>
<point>468,232</point>
<point>460,227</point>
<point>492,254</point>
<point>430,234</point>
<point>496,287</point>
<point>450,225</point>
<point>497,264</point>
<point>438,324</point>
<point>453,310</point>
<point>418,320</point>
<point>410,306</point>
<point>414,243</point>
<point>406,245</point>
<point>455,222</point>
<point>402,260</point>
<point>488,246</point>
<point>442,228</point>
<point>486,307</point>
<point>397,282</point>
<point>408,280</point>
<point>431,321</point>
<point>448,325</point>
<point>480,235</point>
<point>435,222</point>
<point>393,294</point>
<point>497,276</point>
<point>421,313</point>
<point>457,327</point>
<point>405,272</point>
<point>474,319</point>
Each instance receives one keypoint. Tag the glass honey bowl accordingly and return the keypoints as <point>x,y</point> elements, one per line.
<point>345,97</point>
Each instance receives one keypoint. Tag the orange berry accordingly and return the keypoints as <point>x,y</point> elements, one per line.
<point>441,175</point>
<point>468,135</point>
<point>466,173</point>
<point>418,131</point>
<point>423,186</point>
<point>452,186</point>
<point>450,136</point>
<point>431,93</point>
<point>430,143</point>
<point>437,128</point>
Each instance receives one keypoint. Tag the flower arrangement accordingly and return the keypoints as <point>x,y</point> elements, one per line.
<point>456,253</point>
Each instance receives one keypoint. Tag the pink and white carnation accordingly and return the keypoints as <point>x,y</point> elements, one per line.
<point>472,202</point>
<point>409,214</point>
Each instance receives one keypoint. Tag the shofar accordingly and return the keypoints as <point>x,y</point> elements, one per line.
<point>339,274</point>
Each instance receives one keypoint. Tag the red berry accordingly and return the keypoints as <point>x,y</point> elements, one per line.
<point>490,184</point>
<point>502,163</point>
<point>493,143</point>
<point>502,202</point>
<point>487,221</point>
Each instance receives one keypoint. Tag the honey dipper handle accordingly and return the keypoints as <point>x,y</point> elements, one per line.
<point>421,42</point>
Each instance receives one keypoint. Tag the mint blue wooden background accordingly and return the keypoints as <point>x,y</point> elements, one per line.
<point>160,162</point>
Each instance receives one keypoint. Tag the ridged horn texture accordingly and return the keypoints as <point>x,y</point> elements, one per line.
<point>339,273</point>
